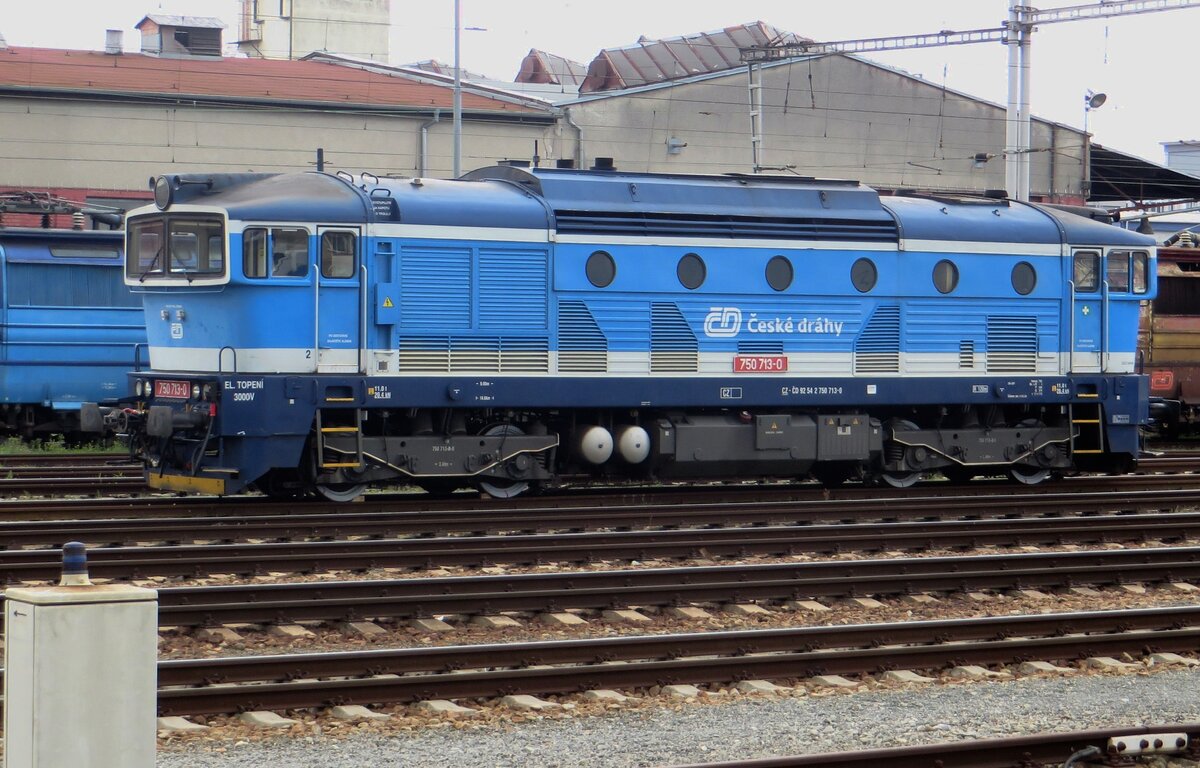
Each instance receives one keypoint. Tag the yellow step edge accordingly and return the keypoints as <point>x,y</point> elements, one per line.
<point>355,464</point>
<point>339,399</point>
<point>339,429</point>
<point>1087,450</point>
<point>1080,394</point>
<point>1085,421</point>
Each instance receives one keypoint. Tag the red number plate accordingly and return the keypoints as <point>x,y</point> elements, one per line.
<point>760,363</point>
<point>175,389</point>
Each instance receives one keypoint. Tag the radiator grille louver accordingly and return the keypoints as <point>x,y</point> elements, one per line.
<point>582,347</point>
<point>512,290</point>
<point>760,347</point>
<point>673,346</point>
<point>684,225</point>
<point>1012,344</point>
<point>877,348</point>
<point>487,354</point>
<point>435,288</point>
<point>966,353</point>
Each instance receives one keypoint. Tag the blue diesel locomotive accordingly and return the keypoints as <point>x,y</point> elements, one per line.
<point>69,327</point>
<point>317,333</point>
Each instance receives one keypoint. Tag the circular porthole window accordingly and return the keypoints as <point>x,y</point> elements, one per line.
<point>864,275</point>
<point>691,271</point>
<point>945,276</point>
<point>779,273</point>
<point>1024,278</point>
<point>601,269</point>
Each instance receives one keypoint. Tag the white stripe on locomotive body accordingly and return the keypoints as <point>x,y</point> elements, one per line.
<point>800,365</point>
<point>980,248</point>
<point>706,242</point>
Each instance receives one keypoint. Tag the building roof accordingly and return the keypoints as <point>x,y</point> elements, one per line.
<point>657,61</point>
<point>500,91</point>
<point>44,70</point>
<point>1117,176</point>
<point>542,67</point>
<point>438,68</point>
<point>164,20</point>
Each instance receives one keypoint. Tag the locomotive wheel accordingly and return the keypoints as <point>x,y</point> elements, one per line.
<point>340,492</point>
<point>495,487</point>
<point>1027,475</point>
<point>901,479</point>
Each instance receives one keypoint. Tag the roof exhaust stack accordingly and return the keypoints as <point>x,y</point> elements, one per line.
<point>112,42</point>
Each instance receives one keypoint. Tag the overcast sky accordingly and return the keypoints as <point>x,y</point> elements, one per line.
<point>1143,63</point>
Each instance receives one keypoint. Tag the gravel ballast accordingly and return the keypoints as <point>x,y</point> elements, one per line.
<point>730,728</point>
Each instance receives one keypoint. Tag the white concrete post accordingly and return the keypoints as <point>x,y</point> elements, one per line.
<point>80,672</point>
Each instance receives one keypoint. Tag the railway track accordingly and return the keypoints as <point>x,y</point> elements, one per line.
<point>1112,744</point>
<point>71,473</point>
<point>377,519</point>
<point>200,560</point>
<point>232,684</point>
<point>99,474</point>
<point>401,599</point>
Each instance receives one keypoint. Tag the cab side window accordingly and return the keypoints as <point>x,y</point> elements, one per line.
<point>278,252</point>
<point>1141,272</point>
<point>337,254</point>
<point>1116,273</point>
<point>1086,273</point>
<point>254,253</point>
<point>289,252</point>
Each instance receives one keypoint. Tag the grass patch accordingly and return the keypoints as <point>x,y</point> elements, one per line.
<point>14,446</point>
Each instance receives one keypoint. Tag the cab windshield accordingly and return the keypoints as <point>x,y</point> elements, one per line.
<point>169,246</point>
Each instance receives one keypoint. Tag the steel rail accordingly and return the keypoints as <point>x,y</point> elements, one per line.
<point>381,522</point>
<point>597,590</point>
<point>465,551</point>
<point>57,485</point>
<point>975,499</point>
<point>395,675</point>
<point>1175,526</point>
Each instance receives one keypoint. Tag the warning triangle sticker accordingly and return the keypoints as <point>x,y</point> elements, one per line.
<point>387,302</point>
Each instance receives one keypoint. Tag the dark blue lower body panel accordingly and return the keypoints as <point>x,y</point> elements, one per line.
<point>264,421</point>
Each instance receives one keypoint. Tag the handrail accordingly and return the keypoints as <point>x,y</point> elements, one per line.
<point>1104,319</point>
<point>137,355</point>
<point>362,313</point>
<point>1071,340</point>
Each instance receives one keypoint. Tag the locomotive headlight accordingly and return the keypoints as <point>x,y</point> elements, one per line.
<point>139,388</point>
<point>163,193</point>
<point>195,391</point>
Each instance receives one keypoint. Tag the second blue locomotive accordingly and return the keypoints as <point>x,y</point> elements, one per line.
<point>318,333</point>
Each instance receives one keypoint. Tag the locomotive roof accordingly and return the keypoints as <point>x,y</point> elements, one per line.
<point>984,219</point>
<point>339,199</point>
<point>509,197</point>
<point>61,246</point>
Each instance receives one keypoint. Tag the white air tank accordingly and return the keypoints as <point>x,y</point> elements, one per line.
<point>595,444</point>
<point>633,443</point>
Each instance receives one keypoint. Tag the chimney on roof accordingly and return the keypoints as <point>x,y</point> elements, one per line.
<point>3,43</point>
<point>112,41</point>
